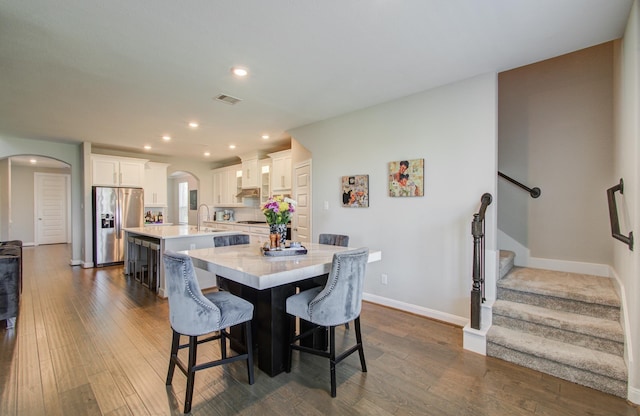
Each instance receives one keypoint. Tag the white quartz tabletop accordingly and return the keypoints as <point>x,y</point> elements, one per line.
<point>247,265</point>
<point>163,232</point>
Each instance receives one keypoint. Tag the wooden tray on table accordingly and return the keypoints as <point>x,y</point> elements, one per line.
<point>287,251</point>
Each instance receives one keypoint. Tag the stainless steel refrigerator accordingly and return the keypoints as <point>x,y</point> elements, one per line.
<point>113,210</point>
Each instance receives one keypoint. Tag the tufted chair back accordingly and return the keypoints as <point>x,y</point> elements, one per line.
<point>334,239</point>
<point>190,313</point>
<point>341,299</point>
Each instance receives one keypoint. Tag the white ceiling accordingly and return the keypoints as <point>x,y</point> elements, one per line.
<point>122,73</point>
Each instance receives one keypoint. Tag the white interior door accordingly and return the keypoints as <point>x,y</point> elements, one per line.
<point>301,221</point>
<point>52,206</point>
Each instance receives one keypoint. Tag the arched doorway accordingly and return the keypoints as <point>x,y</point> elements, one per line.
<point>183,196</point>
<point>36,202</point>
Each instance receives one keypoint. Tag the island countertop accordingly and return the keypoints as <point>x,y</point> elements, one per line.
<point>165,232</point>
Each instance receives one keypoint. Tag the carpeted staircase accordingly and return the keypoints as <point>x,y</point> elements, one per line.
<point>563,324</point>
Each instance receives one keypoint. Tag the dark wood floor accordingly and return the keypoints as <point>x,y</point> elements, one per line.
<point>94,342</point>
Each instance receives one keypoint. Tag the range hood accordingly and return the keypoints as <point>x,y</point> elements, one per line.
<point>249,193</point>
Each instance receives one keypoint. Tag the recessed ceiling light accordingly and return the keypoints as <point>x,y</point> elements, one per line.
<point>232,146</point>
<point>239,71</point>
<point>265,136</point>
<point>147,147</point>
<point>166,137</point>
<point>193,124</point>
<point>33,161</point>
<point>207,154</point>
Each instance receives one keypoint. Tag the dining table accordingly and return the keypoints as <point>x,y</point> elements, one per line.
<point>267,281</point>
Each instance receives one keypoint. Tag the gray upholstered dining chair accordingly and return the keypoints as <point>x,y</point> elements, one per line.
<point>337,303</point>
<point>334,239</point>
<point>230,240</point>
<point>195,314</point>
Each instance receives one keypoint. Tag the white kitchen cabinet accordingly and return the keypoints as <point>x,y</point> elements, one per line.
<point>250,173</point>
<point>280,171</point>
<point>117,171</point>
<point>235,183</point>
<point>155,184</point>
<point>219,184</point>
<point>227,183</point>
<point>259,235</point>
<point>265,180</point>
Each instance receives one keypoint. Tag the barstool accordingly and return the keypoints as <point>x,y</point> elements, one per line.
<point>153,264</point>
<point>133,254</point>
<point>141,262</point>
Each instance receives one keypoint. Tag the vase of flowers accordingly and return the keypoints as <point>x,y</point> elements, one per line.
<point>278,210</point>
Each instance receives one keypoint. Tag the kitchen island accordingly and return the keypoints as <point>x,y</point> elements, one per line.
<point>177,238</point>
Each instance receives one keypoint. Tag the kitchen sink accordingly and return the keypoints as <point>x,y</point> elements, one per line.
<point>252,222</point>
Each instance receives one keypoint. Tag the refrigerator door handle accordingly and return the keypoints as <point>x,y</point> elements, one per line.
<point>118,221</point>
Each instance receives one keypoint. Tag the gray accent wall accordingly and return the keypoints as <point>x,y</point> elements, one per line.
<point>556,132</point>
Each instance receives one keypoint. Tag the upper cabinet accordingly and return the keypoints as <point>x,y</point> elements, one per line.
<point>250,173</point>
<point>227,183</point>
<point>265,181</point>
<point>155,184</point>
<point>117,171</point>
<point>280,171</point>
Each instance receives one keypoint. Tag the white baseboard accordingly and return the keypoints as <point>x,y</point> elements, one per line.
<point>633,395</point>
<point>523,259</point>
<point>418,310</point>
<point>74,262</point>
<point>595,269</point>
<point>85,264</point>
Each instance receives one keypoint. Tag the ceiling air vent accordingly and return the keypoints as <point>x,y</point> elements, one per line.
<point>228,99</point>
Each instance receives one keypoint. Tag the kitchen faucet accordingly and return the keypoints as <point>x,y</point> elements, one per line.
<point>208,218</point>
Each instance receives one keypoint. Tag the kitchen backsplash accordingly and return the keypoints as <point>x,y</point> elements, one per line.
<point>239,214</point>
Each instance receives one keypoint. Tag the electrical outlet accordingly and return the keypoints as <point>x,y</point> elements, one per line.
<point>192,246</point>
<point>383,279</point>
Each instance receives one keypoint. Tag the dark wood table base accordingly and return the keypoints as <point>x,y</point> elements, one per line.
<point>272,327</point>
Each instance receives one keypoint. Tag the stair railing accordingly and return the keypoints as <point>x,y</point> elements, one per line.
<point>477,231</point>
<point>613,215</point>
<point>534,192</point>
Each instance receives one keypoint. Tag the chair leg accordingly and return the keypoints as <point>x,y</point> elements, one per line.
<point>360,348</point>
<point>191,374</point>
<point>175,343</point>
<point>223,344</point>
<point>332,358</point>
<point>346,325</point>
<point>249,344</point>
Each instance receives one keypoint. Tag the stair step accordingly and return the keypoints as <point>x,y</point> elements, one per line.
<point>585,331</point>
<point>506,262</point>
<point>596,369</point>
<point>570,292</point>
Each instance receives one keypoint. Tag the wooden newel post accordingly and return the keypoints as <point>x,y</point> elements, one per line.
<point>476,291</point>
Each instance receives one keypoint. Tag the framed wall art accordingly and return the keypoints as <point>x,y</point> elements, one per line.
<point>406,178</point>
<point>355,191</point>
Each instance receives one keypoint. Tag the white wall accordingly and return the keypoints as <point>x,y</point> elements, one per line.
<point>65,152</point>
<point>627,162</point>
<point>426,241</point>
<point>5,199</point>
<point>555,132</point>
